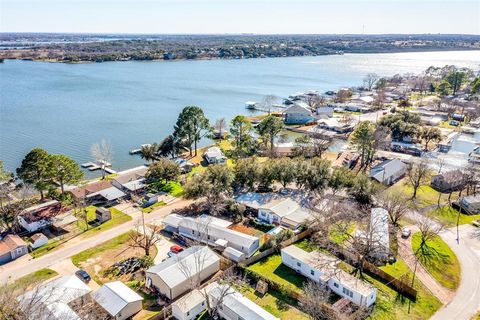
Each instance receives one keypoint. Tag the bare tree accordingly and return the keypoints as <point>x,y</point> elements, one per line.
<point>346,119</point>
<point>268,102</point>
<point>102,153</point>
<point>220,128</point>
<point>370,80</point>
<point>314,101</point>
<point>9,211</point>
<point>418,174</point>
<point>396,205</point>
<point>145,237</point>
<point>313,302</point>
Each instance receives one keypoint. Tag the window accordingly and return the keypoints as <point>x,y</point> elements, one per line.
<point>312,272</point>
<point>335,285</point>
<point>347,292</point>
<point>19,251</point>
<point>299,264</point>
<point>193,231</point>
<point>208,237</point>
<point>188,313</point>
<point>203,303</point>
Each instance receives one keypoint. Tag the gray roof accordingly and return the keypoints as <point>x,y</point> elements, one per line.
<point>297,108</point>
<point>110,194</point>
<point>176,270</point>
<point>135,184</point>
<point>115,296</point>
<point>387,169</point>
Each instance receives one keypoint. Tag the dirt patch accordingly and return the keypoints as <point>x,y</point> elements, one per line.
<point>96,265</point>
<point>241,227</point>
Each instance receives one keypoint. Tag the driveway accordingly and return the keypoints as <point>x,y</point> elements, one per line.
<point>21,267</point>
<point>466,302</point>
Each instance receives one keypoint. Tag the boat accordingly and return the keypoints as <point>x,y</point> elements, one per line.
<point>250,105</point>
<point>135,151</point>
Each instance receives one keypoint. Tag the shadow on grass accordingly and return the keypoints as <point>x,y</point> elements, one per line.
<point>289,275</point>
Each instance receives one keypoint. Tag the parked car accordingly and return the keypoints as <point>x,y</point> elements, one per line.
<point>176,249</point>
<point>476,223</point>
<point>170,254</point>
<point>83,275</point>
<point>406,233</point>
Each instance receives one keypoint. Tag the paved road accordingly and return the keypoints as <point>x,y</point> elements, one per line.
<point>466,302</point>
<point>24,266</point>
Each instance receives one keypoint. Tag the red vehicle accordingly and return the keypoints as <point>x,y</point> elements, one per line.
<point>176,249</point>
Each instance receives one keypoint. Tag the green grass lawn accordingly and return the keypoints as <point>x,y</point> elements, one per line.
<point>35,277</point>
<point>118,217</point>
<point>51,245</point>
<point>173,188</point>
<point>108,245</point>
<point>449,215</point>
<point>440,261</point>
<point>340,237</point>
<point>277,304</point>
<point>153,206</point>
<point>391,305</point>
<point>426,195</point>
<point>273,269</point>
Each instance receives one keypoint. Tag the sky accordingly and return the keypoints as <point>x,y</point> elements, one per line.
<point>241,16</point>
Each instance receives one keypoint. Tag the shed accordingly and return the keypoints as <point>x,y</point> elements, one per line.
<point>118,300</point>
<point>233,254</point>
<point>38,240</point>
<point>102,214</point>
<point>189,306</point>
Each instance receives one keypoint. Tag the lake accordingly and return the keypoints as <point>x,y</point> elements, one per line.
<point>65,108</point>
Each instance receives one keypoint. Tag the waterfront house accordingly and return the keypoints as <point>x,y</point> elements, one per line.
<point>232,305</point>
<point>79,194</point>
<point>131,181</point>
<point>55,300</point>
<point>118,300</point>
<point>333,124</point>
<point>470,204</point>
<point>274,208</point>
<point>323,269</point>
<point>448,181</point>
<point>214,155</point>
<point>40,216</point>
<point>12,247</point>
<point>388,171</point>
<point>298,114</point>
<point>171,278</point>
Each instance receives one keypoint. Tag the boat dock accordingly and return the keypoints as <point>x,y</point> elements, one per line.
<point>92,166</point>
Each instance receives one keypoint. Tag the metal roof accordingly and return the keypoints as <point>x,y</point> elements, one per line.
<point>115,296</point>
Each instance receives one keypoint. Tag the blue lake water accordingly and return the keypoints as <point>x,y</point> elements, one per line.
<point>65,108</point>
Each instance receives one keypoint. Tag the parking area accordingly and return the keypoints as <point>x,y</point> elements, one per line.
<point>163,247</point>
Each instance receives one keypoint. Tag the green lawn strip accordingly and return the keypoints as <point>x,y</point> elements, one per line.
<point>35,277</point>
<point>426,195</point>
<point>273,269</point>
<point>173,188</point>
<point>153,206</point>
<point>51,245</point>
<point>449,215</point>
<point>391,305</point>
<point>108,245</point>
<point>276,303</point>
<point>440,261</point>
<point>118,217</point>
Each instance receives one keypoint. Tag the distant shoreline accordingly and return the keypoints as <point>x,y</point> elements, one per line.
<point>407,50</point>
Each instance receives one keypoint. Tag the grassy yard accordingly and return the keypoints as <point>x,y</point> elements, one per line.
<point>277,304</point>
<point>51,245</point>
<point>173,188</point>
<point>426,195</point>
<point>390,305</point>
<point>118,217</point>
<point>273,269</point>
<point>108,245</point>
<point>34,278</point>
<point>153,206</point>
<point>449,215</point>
<point>440,261</point>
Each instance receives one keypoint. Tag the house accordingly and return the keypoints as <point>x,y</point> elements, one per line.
<point>471,204</point>
<point>333,124</point>
<point>321,268</point>
<point>274,208</point>
<point>379,232</point>
<point>55,299</point>
<point>211,232</point>
<point>109,196</point>
<point>38,240</point>
<point>232,305</point>
<point>79,194</point>
<point>118,300</point>
<point>325,112</point>
<point>40,216</point>
<point>298,114</point>
<point>388,171</point>
<point>189,306</point>
<point>132,180</point>
<point>12,247</point>
<point>171,278</point>
<point>102,214</point>
<point>448,181</point>
<point>214,155</point>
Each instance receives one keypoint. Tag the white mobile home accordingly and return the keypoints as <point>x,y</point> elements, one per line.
<point>388,171</point>
<point>173,276</point>
<point>189,306</point>
<point>118,300</point>
<point>232,305</point>
<point>321,268</point>
<point>202,229</point>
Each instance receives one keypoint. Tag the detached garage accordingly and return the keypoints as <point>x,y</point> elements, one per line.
<point>118,300</point>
